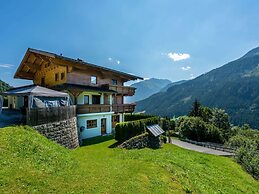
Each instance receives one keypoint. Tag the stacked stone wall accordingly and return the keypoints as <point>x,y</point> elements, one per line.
<point>63,132</point>
<point>142,141</point>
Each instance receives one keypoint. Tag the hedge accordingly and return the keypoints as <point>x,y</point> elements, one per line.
<point>134,117</point>
<point>127,130</point>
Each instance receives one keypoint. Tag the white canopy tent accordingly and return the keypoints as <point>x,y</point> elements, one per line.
<point>40,97</point>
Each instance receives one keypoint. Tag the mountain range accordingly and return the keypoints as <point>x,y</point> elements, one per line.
<point>146,88</point>
<point>4,86</point>
<point>233,87</point>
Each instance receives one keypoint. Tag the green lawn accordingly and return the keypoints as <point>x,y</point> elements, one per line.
<point>31,163</point>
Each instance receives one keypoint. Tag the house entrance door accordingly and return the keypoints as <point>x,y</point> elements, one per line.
<point>103,126</point>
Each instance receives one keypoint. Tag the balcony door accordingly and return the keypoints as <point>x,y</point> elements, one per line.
<point>103,126</point>
<point>96,99</point>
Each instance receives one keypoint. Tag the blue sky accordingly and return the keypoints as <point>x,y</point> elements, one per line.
<point>143,37</point>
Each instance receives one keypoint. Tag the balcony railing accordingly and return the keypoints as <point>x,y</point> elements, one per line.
<point>124,90</point>
<point>93,108</point>
<point>98,108</point>
<point>123,108</point>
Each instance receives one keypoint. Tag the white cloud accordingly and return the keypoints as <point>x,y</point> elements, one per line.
<point>192,76</point>
<point>6,65</point>
<point>186,68</point>
<point>146,78</point>
<point>178,56</point>
<point>114,60</point>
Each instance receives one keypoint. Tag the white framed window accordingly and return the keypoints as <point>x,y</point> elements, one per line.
<point>93,79</point>
<point>86,99</point>
<point>91,124</point>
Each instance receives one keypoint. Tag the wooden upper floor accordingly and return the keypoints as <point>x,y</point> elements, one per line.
<point>49,69</point>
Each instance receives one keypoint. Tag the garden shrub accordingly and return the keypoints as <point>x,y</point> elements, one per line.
<point>214,134</point>
<point>220,119</point>
<point>167,124</point>
<point>134,117</point>
<point>127,130</point>
<point>247,143</point>
<point>196,129</point>
<point>178,122</point>
<point>193,128</point>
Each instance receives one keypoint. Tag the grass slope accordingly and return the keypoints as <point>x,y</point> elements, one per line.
<point>31,163</point>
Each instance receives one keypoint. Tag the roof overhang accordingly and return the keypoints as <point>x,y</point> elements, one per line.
<point>33,59</point>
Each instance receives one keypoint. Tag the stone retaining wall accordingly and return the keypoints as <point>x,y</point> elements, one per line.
<point>63,132</point>
<point>142,141</point>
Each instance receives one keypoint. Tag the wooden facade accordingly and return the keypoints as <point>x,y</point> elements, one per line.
<point>97,92</point>
<point>51,70</point>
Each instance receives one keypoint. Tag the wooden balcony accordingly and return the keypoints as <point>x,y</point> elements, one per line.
<point>123,108</point>
<point>93,108</point>
<point>124,90</point>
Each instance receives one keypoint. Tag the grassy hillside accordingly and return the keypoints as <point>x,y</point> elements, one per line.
<point>31,163</point>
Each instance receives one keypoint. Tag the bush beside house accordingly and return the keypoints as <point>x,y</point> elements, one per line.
<point>134,117</point>
<point>127,130</point>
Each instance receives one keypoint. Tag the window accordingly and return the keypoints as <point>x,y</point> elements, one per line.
<point>91,124</point>
<point>86,99</point>
<point>43,81</point>
<point>62,76</point>
<point>56,77</point>
<point>114,82</point>
<point>96,99</point>
<point>93,80</point>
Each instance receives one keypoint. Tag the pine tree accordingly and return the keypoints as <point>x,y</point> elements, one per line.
<point>196,109</point>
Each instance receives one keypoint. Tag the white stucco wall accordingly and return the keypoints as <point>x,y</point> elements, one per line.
<point>93,132</point>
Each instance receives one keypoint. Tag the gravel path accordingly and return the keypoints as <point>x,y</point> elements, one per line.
<point>197,148</point>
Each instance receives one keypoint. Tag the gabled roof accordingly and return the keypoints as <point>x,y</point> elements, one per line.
<point>48,56</point>
<point>34,90</point>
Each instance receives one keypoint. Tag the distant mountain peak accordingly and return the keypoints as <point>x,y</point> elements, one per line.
<point>252,52</point>
<point>147,88</point>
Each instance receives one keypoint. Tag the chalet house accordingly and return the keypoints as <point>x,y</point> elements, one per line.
<point>98,92</point>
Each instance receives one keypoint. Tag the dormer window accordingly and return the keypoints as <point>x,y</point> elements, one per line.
<point>93,79</point>
<point>114,82</point>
